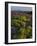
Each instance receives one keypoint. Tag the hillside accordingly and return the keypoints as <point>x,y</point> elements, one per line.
<point>21,25</point>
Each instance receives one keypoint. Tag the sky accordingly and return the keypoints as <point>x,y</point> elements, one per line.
<point>17,8</point>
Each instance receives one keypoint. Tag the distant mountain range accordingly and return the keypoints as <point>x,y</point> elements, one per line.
<point>27,12</point>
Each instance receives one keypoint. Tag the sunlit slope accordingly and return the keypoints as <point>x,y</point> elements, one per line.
<point>22,23</point>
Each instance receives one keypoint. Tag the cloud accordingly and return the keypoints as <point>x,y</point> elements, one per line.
<point>17,8</point>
